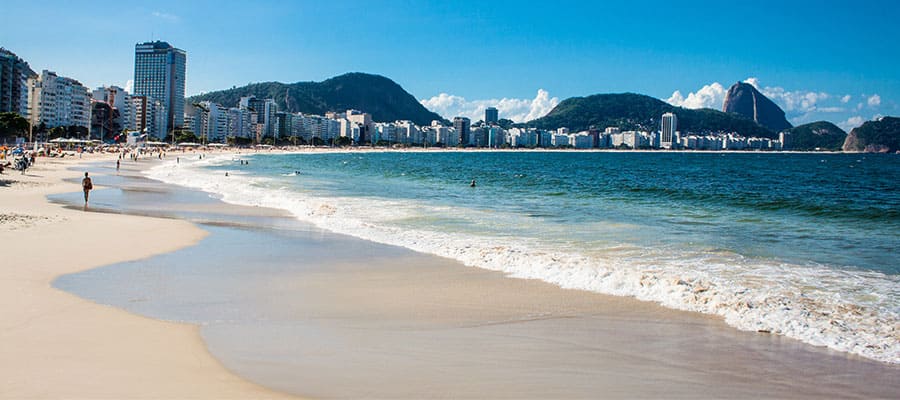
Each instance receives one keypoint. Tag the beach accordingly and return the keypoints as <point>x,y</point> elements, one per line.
<point>57,345</point>
<point>262,297</point>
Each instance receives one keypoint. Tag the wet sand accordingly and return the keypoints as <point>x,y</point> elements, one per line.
<point>57,345</point>
<point>308,312</point>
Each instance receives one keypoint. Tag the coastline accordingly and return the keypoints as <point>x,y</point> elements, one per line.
<point>58,345</point>
<point>415,307</point>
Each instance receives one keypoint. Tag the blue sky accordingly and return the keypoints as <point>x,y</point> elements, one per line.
<point>460,56</point>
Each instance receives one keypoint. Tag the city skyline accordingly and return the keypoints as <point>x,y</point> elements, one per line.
<point>838,73</point>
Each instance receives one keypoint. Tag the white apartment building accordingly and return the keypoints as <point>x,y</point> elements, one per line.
<point>59,101</point>
<point>560,139</point>
<point>149,116</point>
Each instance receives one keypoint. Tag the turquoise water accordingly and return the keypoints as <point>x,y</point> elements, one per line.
<point>805,245</point>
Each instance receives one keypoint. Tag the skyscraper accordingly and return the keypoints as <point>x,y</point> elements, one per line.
<point>667,130</point>
<point>461,125</point>
<point>491,116</point>
<point>159,72</point>
<point>14,76</point>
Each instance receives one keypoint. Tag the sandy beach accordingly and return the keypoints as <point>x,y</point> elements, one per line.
<point>57,345</point>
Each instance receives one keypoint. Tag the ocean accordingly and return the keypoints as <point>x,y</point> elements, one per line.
<point>801,245</point>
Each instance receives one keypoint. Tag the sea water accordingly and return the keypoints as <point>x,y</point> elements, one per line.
<point>802,245</point>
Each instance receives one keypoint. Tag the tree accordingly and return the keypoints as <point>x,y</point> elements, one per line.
<point>57,132</point>
<point>343,141</point>
<point>12,125</point>
<point>184,136</point>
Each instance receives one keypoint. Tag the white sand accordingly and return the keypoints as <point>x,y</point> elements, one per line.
<point>56,345</point>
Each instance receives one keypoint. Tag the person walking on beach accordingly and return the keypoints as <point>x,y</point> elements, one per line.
<point>86,185</point>
<point>117,166</point>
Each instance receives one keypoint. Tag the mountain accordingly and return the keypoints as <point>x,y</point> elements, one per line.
<point>882,136</point>
<point>817,135</point>
<point>637,111</point>
<point>743,99</point>
<point>373,94</point>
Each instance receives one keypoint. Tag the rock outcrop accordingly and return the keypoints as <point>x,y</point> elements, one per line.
<point>743,99</point>
<point>882,136</point>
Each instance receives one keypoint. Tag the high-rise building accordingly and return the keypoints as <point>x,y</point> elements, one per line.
<point>120,100</point>
<point>669,126</point>
<point>491,116</point>
<point>159,72</point>
<point>59,101</point>
<point>149,116</point>
<point>364,121</point>
<point>265,110</point>
<point>14,88</point>
<point>462,126</point>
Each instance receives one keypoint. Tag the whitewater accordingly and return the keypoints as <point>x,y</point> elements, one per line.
<point>855,310</point>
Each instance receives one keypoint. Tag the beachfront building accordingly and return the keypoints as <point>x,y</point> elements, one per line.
<point>364,120</point>
<point>491,116</point>
<point>668,126</point>
<point>495,136</point>
<point>159,73</point>
<point>149,116</point>
<point>581,140</point>
<point>266,111</point>
<point>58,101</point>
<point>117,98</point>
<point>239,123</point>
<point>784,139</point>
<point>14,88</point>
<point>462,125</point>
<point>560,139</point>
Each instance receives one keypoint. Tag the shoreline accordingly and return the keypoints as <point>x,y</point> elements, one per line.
<point>63,346</point>
<point>680,348</point>
<point>699,293</point>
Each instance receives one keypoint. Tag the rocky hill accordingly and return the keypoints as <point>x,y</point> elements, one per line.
<point>743,99</point>
<point>821,135</point>
<point>374,94</point>
<point>882,136</point>
<point>636,111</point>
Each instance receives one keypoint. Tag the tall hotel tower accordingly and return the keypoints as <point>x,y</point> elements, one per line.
<point>159,74</point>
<point>667,130</point>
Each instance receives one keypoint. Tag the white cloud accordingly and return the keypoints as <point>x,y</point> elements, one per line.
<point>753,82</point>
<point>874,100</point>
<point>165,16</point>
<point>518,110</point>
<point>709,96</point>
<point>831,109</point>
<point>129,85</point>
<point>800,106</point>
<point>851,123</point>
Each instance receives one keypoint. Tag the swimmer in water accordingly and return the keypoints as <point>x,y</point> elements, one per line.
<point>472,184</point>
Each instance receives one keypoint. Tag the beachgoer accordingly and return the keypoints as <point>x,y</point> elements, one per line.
<point>86,185</point>
<point>472,184</point>
<point>117,165</point>
<point>226,173</point>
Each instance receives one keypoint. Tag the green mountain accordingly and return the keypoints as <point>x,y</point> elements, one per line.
<point>817,135</point>
<point>374,94</point>
<point>637,111</point>
<point>882,136</point>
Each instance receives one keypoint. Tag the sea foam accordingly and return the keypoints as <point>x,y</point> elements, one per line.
<point>851,311</point>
